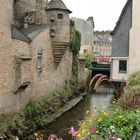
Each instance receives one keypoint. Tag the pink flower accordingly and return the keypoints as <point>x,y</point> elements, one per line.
<point>72,132</point>
<point>92,130</point>
<point>52,136</point>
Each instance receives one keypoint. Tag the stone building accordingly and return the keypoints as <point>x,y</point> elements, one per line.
<point>34,50</point>
<point>102,41</point>
<point>86,28</point>
<point>120,56</point>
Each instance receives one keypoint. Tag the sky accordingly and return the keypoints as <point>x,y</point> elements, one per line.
<point>104,12</point>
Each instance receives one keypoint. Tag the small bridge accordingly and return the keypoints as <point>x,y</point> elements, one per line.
<point>97,80</point>
<point>100,68</point>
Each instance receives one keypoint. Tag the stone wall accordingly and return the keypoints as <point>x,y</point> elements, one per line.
<point>86,29</point>
<point>82,72</point>
<point>27,69</point>
<point>21,68</point>
<point>60,27</point>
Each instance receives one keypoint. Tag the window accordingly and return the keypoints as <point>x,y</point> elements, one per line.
<point>60,16</point>
<point>85,51</point>
<point>39,62</point>
<point>122,66</point>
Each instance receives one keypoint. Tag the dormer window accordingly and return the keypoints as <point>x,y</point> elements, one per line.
<point>60,16</point>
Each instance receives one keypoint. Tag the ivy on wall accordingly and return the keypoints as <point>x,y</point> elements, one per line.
<point>75,43</point>
<point>75,40</point>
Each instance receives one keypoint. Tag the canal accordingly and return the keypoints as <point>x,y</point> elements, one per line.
<point>102,97</point>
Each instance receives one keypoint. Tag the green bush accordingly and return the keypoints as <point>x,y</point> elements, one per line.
<point>134,79</point>
<point>118,123</point>
<point>89,59</point>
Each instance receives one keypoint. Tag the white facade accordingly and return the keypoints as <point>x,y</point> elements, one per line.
<point>134,48</point>
<point>116,74</point>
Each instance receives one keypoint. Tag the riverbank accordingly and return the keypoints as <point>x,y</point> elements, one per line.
<point>39,113</point>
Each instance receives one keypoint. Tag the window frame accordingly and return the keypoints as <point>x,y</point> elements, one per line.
<point>60,16</point>
<point>123,69</point>
<point>39,61</point>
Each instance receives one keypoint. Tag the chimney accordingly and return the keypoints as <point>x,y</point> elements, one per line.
<point>44,14</point>
<point>38,16</point>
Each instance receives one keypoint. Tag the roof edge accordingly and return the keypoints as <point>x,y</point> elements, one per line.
<point>120,17</point>
<point>47,9</point>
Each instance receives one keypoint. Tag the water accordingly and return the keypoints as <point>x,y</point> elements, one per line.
<point>74,116</point>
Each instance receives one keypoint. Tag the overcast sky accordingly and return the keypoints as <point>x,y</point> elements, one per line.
<point>104,12</point>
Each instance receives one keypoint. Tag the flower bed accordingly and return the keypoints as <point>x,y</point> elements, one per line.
<point>119,124</point>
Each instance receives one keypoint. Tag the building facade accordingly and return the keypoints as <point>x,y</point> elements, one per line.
<point>125,52</point>
<point>86,28</point>
<point>134,41</point>
<point>102,46</point>
<point>34,50</point>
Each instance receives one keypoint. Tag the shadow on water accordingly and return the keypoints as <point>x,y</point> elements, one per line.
<point>60,126</point>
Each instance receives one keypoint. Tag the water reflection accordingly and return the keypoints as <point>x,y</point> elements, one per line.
<point>61,125</point>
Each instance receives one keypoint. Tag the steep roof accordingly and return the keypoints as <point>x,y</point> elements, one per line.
<point>57,4</point>
<point>17,34</point>
<point>28,34</point>
<point>121,16</point>
<point>34,30</point>
<point>120,43</point>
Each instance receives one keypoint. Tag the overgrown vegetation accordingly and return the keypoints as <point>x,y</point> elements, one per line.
<point>131,95</point>
<point>75,39</point>
<point>89,59</point>
<point>37,113</point>
<point>134,80</point>
<point>75,43</point>
<point>103,32</point>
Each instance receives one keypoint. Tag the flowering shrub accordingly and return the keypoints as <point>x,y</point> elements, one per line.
<point>116,125</point>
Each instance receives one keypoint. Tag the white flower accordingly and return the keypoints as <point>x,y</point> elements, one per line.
<point>113,130</point>
<point>112,127</point>
<point>17,138</point>
<point>119,139</point>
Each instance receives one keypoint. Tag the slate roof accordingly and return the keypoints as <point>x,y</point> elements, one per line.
<point>58,5</point>
<point>17,34</point>
<point>101,37</point>
<point>121,16</point>
<point>33,30</point>
<point>28,34</point>
<point>120,44</point>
